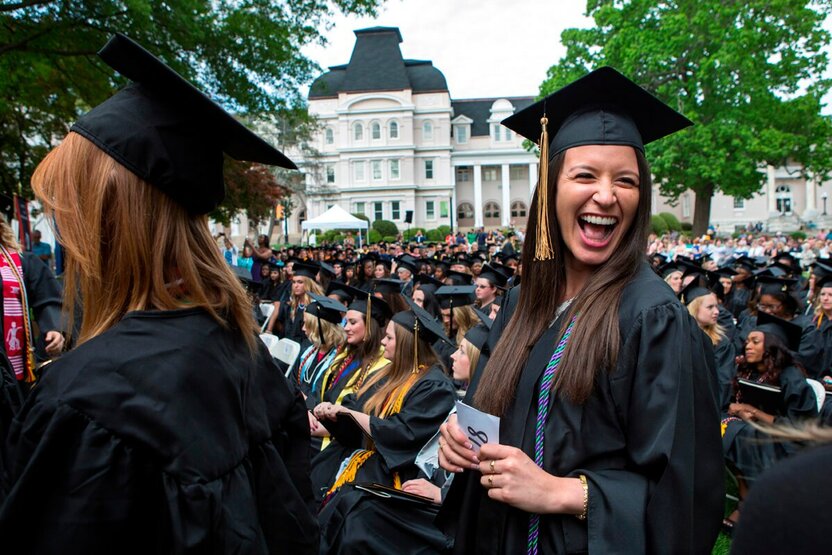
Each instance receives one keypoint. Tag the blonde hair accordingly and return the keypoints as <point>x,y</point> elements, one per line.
<point>396,374</point>
<point>130,246</point>
<point>334,334</point>
<point>473,355</point>
<point>715,332</point>
<point>311,287</point>
<point>7,238</point>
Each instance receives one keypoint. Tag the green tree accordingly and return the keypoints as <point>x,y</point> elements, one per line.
<point>748,74</point>
<point>247,54</point>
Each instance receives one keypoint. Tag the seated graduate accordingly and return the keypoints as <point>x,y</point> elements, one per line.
<point>401,408</point>
<point>322,325</point>
<point>289,322</point>
<point>168,428</point>
<point>766,364</point>
<point>822,316</point>
<point>424,294</point>
<point>467,358</point>
<point>361,357</point>
<point>390,290</point>
<point>703,305</point>
<point>489,284</point>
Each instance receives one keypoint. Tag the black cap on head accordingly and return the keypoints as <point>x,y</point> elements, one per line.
<point>429,329</point>
<point>425,279</point>
<point>772,285</point>
<point>408,263</point>
<point>344,292</point>
<point>694,290</point>
<point>494,275</point>
<point>305,269</point>
<point>389,286</point>
<point>381,311</point>
<point>456,295</point>
<point>667,269</point>
<point>788,332</point>
<point>601,108</point>
<point>823,275</point>
<point>325,309</point>
<point>327,270</point>
<point>460,278</point>
<point>167,132</point>
<point>746,263</point>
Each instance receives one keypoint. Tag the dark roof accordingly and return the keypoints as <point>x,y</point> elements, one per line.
<point>377,65</point>
<point>479,110</point>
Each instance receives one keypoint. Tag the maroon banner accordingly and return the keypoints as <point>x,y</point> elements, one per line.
<point>21,213</point>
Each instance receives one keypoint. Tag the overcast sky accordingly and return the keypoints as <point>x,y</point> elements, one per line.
<point>485,48</point>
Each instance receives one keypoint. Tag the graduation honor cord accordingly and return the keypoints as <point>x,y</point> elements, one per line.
<point>542,416</point>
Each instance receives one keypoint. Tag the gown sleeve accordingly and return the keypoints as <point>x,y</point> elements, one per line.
<point>399,437</point>
<point>77,488</point>
<point>810,351</point>
<point>799,398</point>
<point>670,498</point>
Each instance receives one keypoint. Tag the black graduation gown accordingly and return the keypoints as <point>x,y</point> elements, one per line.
<point>751,451</point>
<point>163,434</point>
<point>726,320</point>
<point>726,369</point>
<point>292,327</point>
<point>737,300</point>
<point>787,510</point>
<point>825,332</point>
<point>647,440</point>
<point>397,438</point>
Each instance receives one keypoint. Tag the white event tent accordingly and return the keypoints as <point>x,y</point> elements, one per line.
<point>336,218</point>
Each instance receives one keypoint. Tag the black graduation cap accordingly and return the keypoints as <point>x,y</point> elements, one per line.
<point>327,269</point>
<point>725,271</point>
<point>790,261</point>
<point>692,291</point>
<point>601,108</point>
<point>425,279</point>
<point>823,275</point>
<point>244,275</point>
<point>494,275</point>
<point>408,263</point>
<point>386,262</point>
<point>462,260</point>
<point>389,286</point>
<point>788,332</point>
<point>343,291</point>
<point>380,310</point>
<point>668,268</point>
<point>305,269</point>
<point>167,132</point>
<point>325,308</point>
<point>745,262</point>
<point>460,278</point>
<point>771,285</point>
<point>428,328</point>
<point>456,295</point>
<point>478,334</point>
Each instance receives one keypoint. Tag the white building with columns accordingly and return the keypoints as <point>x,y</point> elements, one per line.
<point>393,142</point>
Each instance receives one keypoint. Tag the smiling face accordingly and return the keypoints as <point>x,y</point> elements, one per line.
<point>826,299</point>
<point>355,327</point>
<point>597,199</point>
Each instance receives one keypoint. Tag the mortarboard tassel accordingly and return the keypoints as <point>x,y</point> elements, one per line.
<point>369,314</point>
<point>543,247</point>
<point>415,344</point>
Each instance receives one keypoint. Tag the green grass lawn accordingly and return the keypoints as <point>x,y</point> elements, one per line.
<point>723,542</point>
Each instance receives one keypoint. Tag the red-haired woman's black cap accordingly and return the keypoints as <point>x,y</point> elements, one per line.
<point>167,132</point>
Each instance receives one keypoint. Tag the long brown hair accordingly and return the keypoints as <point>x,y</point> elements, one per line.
<point>130,246</point>
<point>7,238</point>
<point>595,338</point>
<point>397,373</point>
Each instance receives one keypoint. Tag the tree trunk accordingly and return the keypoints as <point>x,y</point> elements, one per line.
<point>702,209</point>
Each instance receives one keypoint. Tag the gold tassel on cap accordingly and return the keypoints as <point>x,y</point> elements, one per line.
<point>415,344</point>
<point>369,315</point>
<point>543,248</point>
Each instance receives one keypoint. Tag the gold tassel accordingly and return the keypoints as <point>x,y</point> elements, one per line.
<point>369,315</point>
<point>543,248</point>
<point>415,344</point>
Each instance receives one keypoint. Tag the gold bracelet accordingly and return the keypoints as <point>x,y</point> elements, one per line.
<point>582,516</point>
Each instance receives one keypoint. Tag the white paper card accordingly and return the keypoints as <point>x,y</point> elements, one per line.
<point>480,427</point>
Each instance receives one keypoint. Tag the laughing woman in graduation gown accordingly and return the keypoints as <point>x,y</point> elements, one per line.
<point>609,432</point>
<point>403,406</point>
<point>168,429</point>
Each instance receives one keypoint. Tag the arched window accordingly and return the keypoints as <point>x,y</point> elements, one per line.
<point>783,195</point>
<point>492,210</point>
<point>427,131</point>
<point>375,130</point>
<point>394,130</point>
<point>329,136</point>
<point>465,211</point>
<point>518,209</point>
<point>358,132</point>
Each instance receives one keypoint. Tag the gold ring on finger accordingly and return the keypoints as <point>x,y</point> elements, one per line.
<point>490,482</point>
<point>492,467</point>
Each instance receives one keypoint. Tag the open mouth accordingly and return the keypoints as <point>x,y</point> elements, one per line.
<point>597,230</point>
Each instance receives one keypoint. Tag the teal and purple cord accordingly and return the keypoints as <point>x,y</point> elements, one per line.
<point>542,416</point>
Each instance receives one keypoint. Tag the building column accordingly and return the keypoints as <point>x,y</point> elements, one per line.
<point>770,188</point>
<point>506,210</point>
<point>811,192</point>
<point>452,213</point>
<point>532,180</point>
<point>478,195</point>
